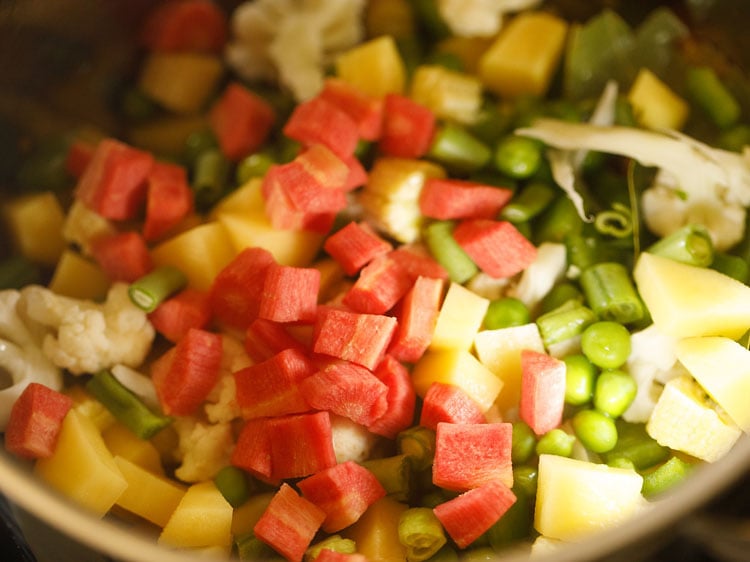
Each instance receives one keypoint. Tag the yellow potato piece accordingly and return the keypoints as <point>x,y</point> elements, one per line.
<point>376,532</point>
<point>654,104</point>
<point>81,467</point>
<point>203,518</point>
<point>122,442</point>
<point>374,67</point>
<point>459,319</point>
<point>35,224</point>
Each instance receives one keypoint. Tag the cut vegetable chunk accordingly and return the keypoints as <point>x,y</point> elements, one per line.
<point>408,127</point>
<point>447,199</point>
<point>365,110</point>
<point>290,294</point>
<point>35,421</point>
<point>380,285</point>
<point>459,319</point>
<point>185,25</point>
<point>148,495</point>
<point>123,256</point>
<point>174,317</point>
<point>321,121</point>
<point>497,247</point>
<point>401,398</point>
<point>542,391</point>
<point>301,445</point>
<point>264,339</point>
<point>448,403</point>
<point>417,317</point>
<point>203,518</point>
<point>355,245</point>
<point>169,200</point>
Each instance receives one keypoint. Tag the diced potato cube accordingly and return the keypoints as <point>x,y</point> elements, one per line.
<point>524,57</point>
<point>686,301</point>
<point>203,518</point>
<point>376,532</point>
<point>122,442</point>
<point>78,277</point>
<point>90,407</point>
<point>81,467</point>
<point>148,495</point>
<point>460,368</point>
<point>83,225</point>
<point>576,498</point>
<point>684,420</point>
<point>200,253</point>
<point>35,223</point>
<point>459,319</point>
<point>500,351</point>
<point>181,82</point>
<point>247,515</point>
<point>449,94</point>
<point>374,67</point>
<point>722,367</point>
<point>655,105</point>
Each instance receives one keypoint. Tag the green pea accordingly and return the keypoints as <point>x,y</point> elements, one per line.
<point>606,344</point>
<point>580,375</point>
<point>233,484</point>
<point>518,157</point>
<point>506,312</point>
<point>556,442</point>
<point>524,442</point>
<point>595,430</point>
<point>253,166</point>
<point>614,391</point>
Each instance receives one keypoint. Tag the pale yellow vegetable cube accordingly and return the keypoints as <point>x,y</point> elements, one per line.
<point>722,367</point>
<point>449,94</point>
<point>81,467</point>
<point>654,104</point>
<point>459,319</point>
<point>684,420</point>
<point>122,442</point>
<point>148,495</point>
<point>686,301</point>
<point>469,50</point>
<point>244,217</point>
<point>181,82</point>
<point>376,531</point>
<point>247,515</point>
<point>374,67</point>
<point>79,277</point>
<point>525,56</point>
<point>460,368</point>
<point>35,223</point>
<point>84,225</point>
<point>200,253</point>
<point>500,351</point>
<point>203,518</point>
<point>90,407</point>
<point>576,498</point>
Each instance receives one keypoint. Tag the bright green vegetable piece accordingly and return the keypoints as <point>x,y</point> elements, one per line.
<point>420,531</point>
<point>615,390</point>
<point>595,430</point>
<point>709,93</point>
<point>395,474</point>
<point>438,237</point>
<point>610,292</point>
<point>197,143</point>
<point>731,265</point>
<point>565,322</point>
<point>580,374</point>
<point>691,244</point>
<point>527,204</point>
<point>523,442</point>
<point>559,295</point>
<point>559,220</point>
<point>518,157</point>
<point>606,344</point>
<point>233,484</point>
<point>636,446</point>
<point>514,525</point>
<point>525,479</point>
<point>152,289</point>
<point>253,166</point>
<point>250,547</point>
<point>665,476</point>
<point>210,175</point>
<point>418,443</point>
<point>506,312</point>
<point>457,149</point>
<point>556,442</point>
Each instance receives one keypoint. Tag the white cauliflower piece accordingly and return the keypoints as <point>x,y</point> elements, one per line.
<point>488,287</point>
<point>546,270</point>
<point>86,336</point>
<point>20,355</point>
<point>351,441</point>
<point>221,405</point>
<point>292,41</point>
<point>479,18</point>
<point>203,448</point>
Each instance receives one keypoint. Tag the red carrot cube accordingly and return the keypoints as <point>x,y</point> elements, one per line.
<point>469,455</point>
<point>497,247</point>
<point>289,523</point>
<point>401,399</point>
<point>355,245</point>
<point>468,516</point>
<point>35,420</point>
<point>264,339</point>
<point>542,391</point>
<point>185,25</point>
<point>301,445</point>
<point>328,170</point>
<point>253,449</point>
<point>188,309</point>
<point>290,294</point>
<point>416,260</point>
<point>366,111</point>
<point>329,555</point>
<point>321,121</point>
<point>380,285</point>
<point>448,199</point>
<point>169,199</point>
<point>123,256</point>
<point>449,403</point>
<point>417,315</point>
<point>408,127</point>
<point>79,155</point>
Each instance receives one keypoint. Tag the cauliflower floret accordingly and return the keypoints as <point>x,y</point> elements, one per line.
<point>20,355</point>
<point>87,337</point>
<point>479,18</point>
<point>203,449</point>
<point>351,441</point>
<point>221,405</point>
<point>292,41</point>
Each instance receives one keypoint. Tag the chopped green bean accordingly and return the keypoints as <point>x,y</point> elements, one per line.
<point>555,442</point>
<point>234,485</point>
<point>210,175</point>
<point>456,148</point>
<point>421,532</point>
<point>614,392</point>
<point>418,443</point>
<point>615,222</point>
<point>395,474</point>
<point>557,221</point>
<point>621,462</point>
<point>595,430</point>
<point>580,374</point>
<point>438,237</point>
<point>506,312</point>
<point>712,96</point>
<point>250,547</point>
<point>564,322</point>
<point>197,143</point>
<point>690,244</point>
<point>610,292</point>
<point>523,442</point>
<point>559,295</point>
<point>529,203</point>
<point>514,525</point>
<point>635,445</point>
<point>518,157</point>
<point>606,344</point>
<point>665,476</point>
<point>731,265</point>
<point>125,406</point>
<point>337,543</point>
<point>152,289</point>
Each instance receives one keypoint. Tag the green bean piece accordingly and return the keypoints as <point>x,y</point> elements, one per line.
<point>556,442</point>
<point>337,543</point>
<point>621,462</point>
<point>155,287</point>
<point>615,222</point>
<point>254,165</point>
<point>731,265</point>
<point>615,390</point>
<point>420,531</point>
<point>636,446</point>
<point>610,292</point>
<point>234,485</point>
<point>395,474</point>
<point>559,295</point>
<point>580,374</point>
<point>438,237</point>
<point>506,312</point>
<point>250,547</point>
<point>197,143</point>
<point>690,244</point>
<point>493,122</point>
<point>17,272</point>
<point>518,157</point>
<point>523,442</point>
<point>525,479</point>
<point>595,430</point>
<point>125,406</point>
<point>559,220</point>
<point>564,322</point>
<point>665,476</point>
<point>210,175</point>
<point>457,149</point>
<point>606,344</point>
<point>712,96</point>
<point>514,525</point>
<point>530,202</point>
<point>418,443</point>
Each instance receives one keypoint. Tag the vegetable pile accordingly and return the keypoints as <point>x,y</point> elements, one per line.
<point>394,279</point>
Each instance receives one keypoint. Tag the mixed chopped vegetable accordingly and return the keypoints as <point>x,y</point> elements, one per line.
<point>384,280</point>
